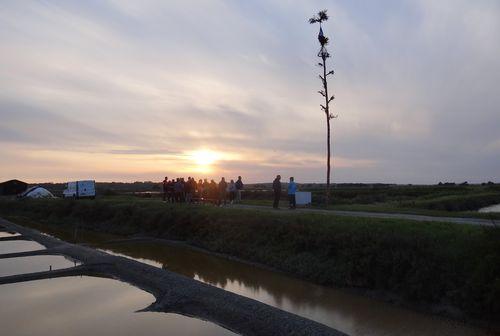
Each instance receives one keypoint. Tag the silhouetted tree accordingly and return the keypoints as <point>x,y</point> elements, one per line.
<point>321,17</point>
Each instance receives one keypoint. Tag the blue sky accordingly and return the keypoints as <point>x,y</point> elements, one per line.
<point>125,90</point>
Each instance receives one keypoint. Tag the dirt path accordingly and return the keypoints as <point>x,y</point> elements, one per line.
<point>365,214</point>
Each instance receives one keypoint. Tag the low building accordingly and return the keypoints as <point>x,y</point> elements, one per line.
<point>12,187</point>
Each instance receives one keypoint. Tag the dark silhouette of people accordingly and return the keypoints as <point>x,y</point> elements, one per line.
<point>231,188</point>
<point>292,189</point>
<point>206,189</point>
<point>184,187</point>
<point>277,191</point>
<point>193,188</point>
<point>179,190</point>
<point>165,188</point>
<point>188,190</point>
<point>239,188</point>
<point>199,190</point>
<point>213,191</point>
<point>222,192</point>
<point>171,191</point>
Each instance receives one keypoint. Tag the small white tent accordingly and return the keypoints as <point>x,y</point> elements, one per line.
<point>37,192</point>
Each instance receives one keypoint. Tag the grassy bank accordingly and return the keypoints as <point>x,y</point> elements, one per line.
<point>436,263</point>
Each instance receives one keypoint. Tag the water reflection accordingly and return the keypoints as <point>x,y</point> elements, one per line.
<point>352,314</point>
<point>33,264</point>
<point>492,208</point>
<point>8,234</point>
<point>16,246</point>
<point>89,306</point>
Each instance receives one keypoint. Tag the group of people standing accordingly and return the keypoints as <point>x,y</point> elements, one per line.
<point>291,190</point>
<point>190,191</point>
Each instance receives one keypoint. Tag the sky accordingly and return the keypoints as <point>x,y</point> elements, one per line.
<point>126,90</point>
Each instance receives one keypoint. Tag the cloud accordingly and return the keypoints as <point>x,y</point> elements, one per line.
<point>124,82</point>
<point>36,127</point>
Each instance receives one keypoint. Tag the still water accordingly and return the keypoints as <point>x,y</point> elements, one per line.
<point>492,208</point>
<point>352,314</point>
<point>7,234</point>
<point>82,306</point>
<point>16,246</point>
<point>33,264</point>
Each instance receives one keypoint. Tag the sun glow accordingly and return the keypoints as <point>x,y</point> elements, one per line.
<point>204,158</point>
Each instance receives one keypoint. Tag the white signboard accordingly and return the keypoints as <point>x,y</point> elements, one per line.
<point>303,198</point>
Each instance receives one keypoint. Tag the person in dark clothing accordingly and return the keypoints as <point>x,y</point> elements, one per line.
<point>222,192</point>
<point>212,191</point>
<point>231,189</point>
<point>193,187</point>
<point>187,190</point>
<point>239,188</point>
<point>292,189</point>
<point>199,190</point>
<point>206,189</point>
<point>277,191</point>
<point>165,189</point>
<point>179,191</point>
<point>171,191</point>
<point>184,188</point>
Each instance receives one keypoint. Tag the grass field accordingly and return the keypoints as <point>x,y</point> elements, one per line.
<point>441,201</point>
<point>448,200</point>
<point>434,263</point>
<point>387,208</point>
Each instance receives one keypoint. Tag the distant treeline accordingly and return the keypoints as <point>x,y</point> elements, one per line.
<point>145,186</point>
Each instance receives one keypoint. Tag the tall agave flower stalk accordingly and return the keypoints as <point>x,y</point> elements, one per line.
<point>323,53</point>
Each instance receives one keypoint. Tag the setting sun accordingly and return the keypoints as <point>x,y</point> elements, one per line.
<point>204,158</point>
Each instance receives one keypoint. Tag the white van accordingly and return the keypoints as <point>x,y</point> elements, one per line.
<point>80,189</point>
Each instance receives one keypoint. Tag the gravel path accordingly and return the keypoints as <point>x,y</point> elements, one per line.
<point>365,214</point>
